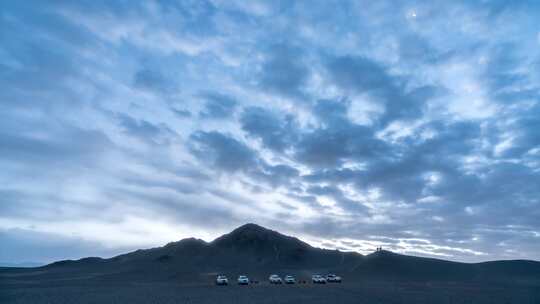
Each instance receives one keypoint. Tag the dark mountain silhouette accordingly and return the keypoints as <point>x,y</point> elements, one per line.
<point>184,272</point>
<point>255,245</point>
<point>385,264</point>
<point>256,250</point>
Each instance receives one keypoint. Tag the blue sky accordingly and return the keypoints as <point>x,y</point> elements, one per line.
<point>411,125</point>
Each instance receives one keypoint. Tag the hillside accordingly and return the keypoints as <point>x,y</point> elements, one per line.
<point>258,251</point>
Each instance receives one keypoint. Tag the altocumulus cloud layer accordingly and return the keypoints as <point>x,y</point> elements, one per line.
<point>410,125</point>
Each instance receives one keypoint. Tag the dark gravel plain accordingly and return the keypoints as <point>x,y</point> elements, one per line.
<point>347,292</point>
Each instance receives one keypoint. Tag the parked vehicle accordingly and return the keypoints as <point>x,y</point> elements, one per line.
<point>289,279</point>
<point>222,280</point>
<point>332,278</point>
<point>275,279</point>
<point>243,280</point>
<point>318,279</point>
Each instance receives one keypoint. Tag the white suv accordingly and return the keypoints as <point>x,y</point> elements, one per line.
<point>289,279</point>
<point>332,278</point>
<point>318,279</point>
<point>275,279</point>
<point>243,280</point>
<point>222,280</point>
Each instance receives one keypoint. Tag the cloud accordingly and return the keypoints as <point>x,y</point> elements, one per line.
<point>146,131</point>
<point>361,75</point>
<point>413,48</point>
<point>181,113</point>
<point>275,132</point>
<point>223,151</point>
<point>153,80</point>
<point>283,71</point>
<point>218,106</point>
<point>40,248</point>
<point>330,147</point>
<point>338,140</point>
<point>336,194</point>
<point>381,124</point>
<point>67,146</point>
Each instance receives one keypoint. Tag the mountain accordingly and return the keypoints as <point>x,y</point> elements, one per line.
<point>255,245</point>
<point>247,248</point>
<point>258,251</point>
<point>21,264</point>
<point>385,264</point>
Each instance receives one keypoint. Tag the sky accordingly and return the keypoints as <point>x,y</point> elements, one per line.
<point>411,125</point>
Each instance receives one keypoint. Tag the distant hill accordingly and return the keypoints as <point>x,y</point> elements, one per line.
<point>255,250</point>
<point>21,264</point>
<point>386,264</point>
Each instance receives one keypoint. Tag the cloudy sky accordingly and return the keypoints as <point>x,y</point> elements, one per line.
<point>409,125</point>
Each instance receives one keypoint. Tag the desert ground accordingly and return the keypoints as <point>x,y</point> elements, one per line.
<point>346,292</point>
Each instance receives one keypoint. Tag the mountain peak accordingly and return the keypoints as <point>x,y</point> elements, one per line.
<point>247,231</point>
<point>187,242</point>
<point>251,228</point>
<point>256,237</point>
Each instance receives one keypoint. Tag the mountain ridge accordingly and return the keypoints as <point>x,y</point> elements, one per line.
<point>255,249</point>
